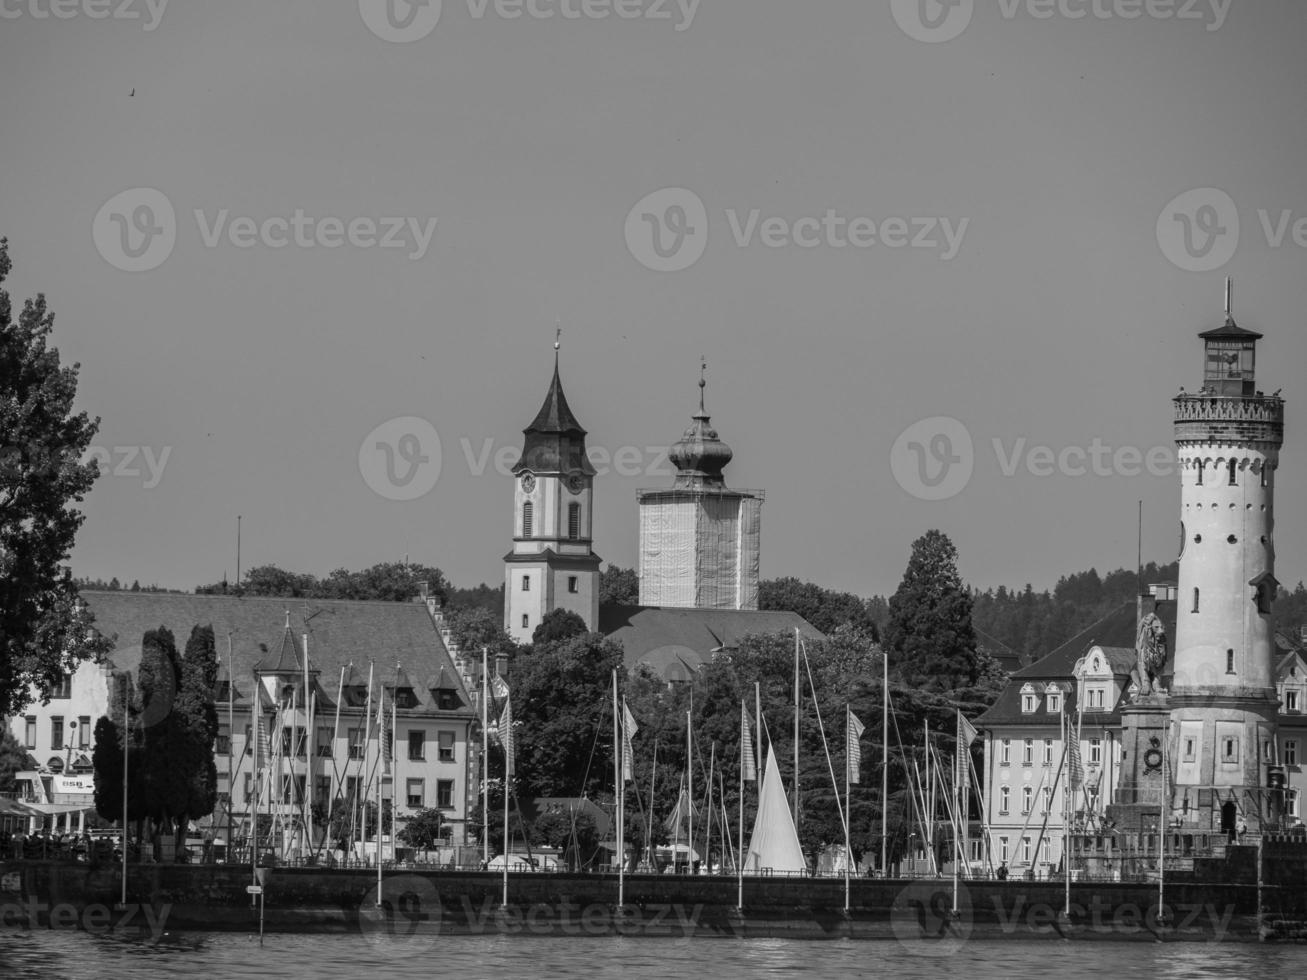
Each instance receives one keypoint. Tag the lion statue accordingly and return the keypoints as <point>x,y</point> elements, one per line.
<point>1150,647</point>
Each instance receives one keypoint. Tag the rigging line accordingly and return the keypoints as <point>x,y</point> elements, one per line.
<point>918,804</point>
<point>821,727</point>
<point>594,746</point>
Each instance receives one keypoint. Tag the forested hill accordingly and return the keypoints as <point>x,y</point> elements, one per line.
<point>1030,624</point>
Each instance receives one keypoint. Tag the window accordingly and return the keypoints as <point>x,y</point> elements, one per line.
<point>57,733</point>
<point>1004,798</point>
<point>222,744</point>
<point>526,583</point>
<point>414,792</point>
<point>1095,751</point>
<point>1025,849</point>
<point>1190,746</point>
<point>526,621</point>
<point>287,741</point>
<point>1054,702</point>
<point>528,514</point>
<point>1027,798</point>
<point>84,732</point>
<point>446,746</point>
<point>356,743</point>
<point>1048,800</point>
<point>1266,751</point>
<point>1291,752</point>
<point>1229,661</point>
<point>64,689</point>
<point>322,790</point>
<point>573,584</point>
<point>417,746</point>
<point>1200,472</point>
<point>573,521</point>
<point>1028,752</point>
<point>1290,700</point>
<point>1095,695</point>
<point>1005,752</point>
<point>1229,749</point>
<point>1048,751</point>
<point>1196,596</point>
<point>1292,800</point>
<point>1002,850</point>
<point>324,743</point>
<point>1045,854</point>
<point>445,794</point>
<point>352,788</point>
<point>249,788</point>
<point>292,789</point>
<point>30,741</point>
<point>447,698</point>
<point>1234,473</point>
<point>1027,703</point>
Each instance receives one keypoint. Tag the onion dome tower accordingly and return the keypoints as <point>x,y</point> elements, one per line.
<point>699,540</point>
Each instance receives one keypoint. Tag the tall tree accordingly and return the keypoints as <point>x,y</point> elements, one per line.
<point>195,726</point>
<point>929,633</point>
<point>823,608</point>
<point>43,633</point>
<point>558,626</point>
<point>166,784</point>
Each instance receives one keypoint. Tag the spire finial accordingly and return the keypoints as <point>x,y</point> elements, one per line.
<point>558,334</point>
<point>703,381</point>
<point>1229,299</point>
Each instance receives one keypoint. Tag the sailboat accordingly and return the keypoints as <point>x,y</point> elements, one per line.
<point>774,845</point>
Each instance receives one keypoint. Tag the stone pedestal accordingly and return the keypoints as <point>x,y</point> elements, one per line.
<point>1142,787</point>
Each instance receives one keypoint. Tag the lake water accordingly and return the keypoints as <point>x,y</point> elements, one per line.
<point>72,955</point>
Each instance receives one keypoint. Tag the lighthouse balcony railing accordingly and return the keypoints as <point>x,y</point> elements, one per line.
<point>1241,408</point>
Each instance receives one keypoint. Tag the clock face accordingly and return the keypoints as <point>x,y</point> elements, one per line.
<point>575,483</point>
<point>528,483</point>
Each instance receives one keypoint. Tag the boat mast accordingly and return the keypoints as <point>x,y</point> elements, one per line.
<point>796,728</point>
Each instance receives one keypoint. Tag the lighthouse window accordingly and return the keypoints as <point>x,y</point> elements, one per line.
<point>1229,749</point>
<point>573,584</point>
<point>1229,661</point>
<point>1189,747</point>
<point>1264,469</point>
<point>1200,472</point>
<point>526,583</point>
<point>1195,600</point>
<point>1234,472</point>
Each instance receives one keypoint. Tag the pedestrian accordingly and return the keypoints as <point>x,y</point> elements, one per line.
<point>1002,871</point>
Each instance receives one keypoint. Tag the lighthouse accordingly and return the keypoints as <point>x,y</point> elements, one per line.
<point>1223,703</point>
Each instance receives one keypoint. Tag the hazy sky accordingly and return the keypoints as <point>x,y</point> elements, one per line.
<point>985,227</point>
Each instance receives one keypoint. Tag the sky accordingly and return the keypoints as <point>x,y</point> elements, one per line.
<point>312,258</point>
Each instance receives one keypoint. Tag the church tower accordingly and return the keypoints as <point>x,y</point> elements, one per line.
<point>1223,700</point>
<point>699,540</point>
<point>552,564</point>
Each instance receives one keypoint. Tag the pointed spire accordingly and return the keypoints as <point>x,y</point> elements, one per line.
<point>555,440</point>
<point>703,383</point>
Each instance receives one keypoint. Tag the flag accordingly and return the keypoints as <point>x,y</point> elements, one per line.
<point>382,735</point>
<point>747,760</point>
<point>1075,768</point>
<point>629,728</point>
<point>856,728</point>
<point>967,733</point>
<point>261,739</point>
<point>506,735</point>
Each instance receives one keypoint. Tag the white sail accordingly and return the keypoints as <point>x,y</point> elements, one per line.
<point>774,845</point>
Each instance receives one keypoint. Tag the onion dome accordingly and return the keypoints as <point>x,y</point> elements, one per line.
<point>700,455</point>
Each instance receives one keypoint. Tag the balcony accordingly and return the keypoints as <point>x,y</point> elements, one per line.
<point>1205,418</point>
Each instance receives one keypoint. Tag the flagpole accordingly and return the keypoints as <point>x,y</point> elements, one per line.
<point>689,792</point>
<point>506,740</point>
<point>394,764</point>
<point>363,767</point>
<point>848,800</point>
<point>256,716</point>
<point>126,730</point>
<point>884,765</point>
<point>1066,818</point>
<point>617,787</point>
<point>796,728</point>
<point>485,756</point>
<point>381,758</point>
<point>757,732</point>
<point>739,865</point>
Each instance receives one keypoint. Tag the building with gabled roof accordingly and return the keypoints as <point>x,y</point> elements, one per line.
<point>306,668</point>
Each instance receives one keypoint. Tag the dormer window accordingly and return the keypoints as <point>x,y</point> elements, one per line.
<point>1028,702</point>
<point>1291,701</point>
<point>1095,697</point>
<point>1054,702</point>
